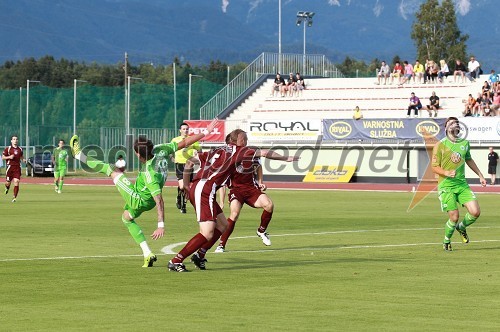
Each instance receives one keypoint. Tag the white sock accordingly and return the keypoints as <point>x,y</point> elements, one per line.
<point>82,157</point>
<point>145,248</point>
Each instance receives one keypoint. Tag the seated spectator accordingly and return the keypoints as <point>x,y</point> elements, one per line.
<point>290,85</point>
<point>357,114</point>
<point>383,73</point>
<point>493,80</point>
<point>473,68</point>
<point>415,105</point>
<point>485,105</point>
<point>460,70</point>
<point>432,71</point>
<point>418,72</point>
<point>495,104</point>
<point>444,71</point>
<point>469,105</point>
<point>408,73</point>
<point>486,89</point>
<point>433,104</point>
<point>477,108</point>
<point>278,85</point>
<point>397,71</point>
<point>301,85</point>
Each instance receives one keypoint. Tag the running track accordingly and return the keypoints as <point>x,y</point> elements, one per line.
<point>399,187</point>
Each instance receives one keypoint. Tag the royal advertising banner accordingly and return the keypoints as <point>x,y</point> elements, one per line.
<point>330,174</point>
<point>198,126</point>
<point>284,130</point>
<point>382,129</point>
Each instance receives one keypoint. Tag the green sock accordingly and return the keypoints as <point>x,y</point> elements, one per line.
<point>99,166</point>
<point>61,184</point>
<point>134,230</point>
<point>55,183</point>
<point>468,220</point>
<point>449,228</point>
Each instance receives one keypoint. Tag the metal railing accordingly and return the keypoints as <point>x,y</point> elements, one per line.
<point>265,64</point>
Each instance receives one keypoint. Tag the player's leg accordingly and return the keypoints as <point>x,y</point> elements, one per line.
<point>94,164</point>
<point>126,190</point>
<point>468,199</point>
<point>267,204</point>
<point>207,229</point>
<point>198,258</point>
<point>7,186</point>
<point>179,170</point>
<point>56,178</point>
<point>449,204</point>
<point>62,173</point>
<point>206,215</point>
<point>16,188</point>
<point>235,206</point>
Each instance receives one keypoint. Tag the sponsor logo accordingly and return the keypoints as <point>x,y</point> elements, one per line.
<point>427,128</point>
<point>340,129</point>
<point>455,157</point>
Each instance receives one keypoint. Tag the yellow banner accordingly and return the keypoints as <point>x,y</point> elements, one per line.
<point>334,174</point>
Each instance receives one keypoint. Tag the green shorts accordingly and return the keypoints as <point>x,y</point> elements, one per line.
<point>450,198</point>
<point>134,203</point>
<point>60,172</point>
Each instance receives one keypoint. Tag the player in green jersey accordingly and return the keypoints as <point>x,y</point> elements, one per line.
<point>60,161</point>
<point>449,157</point>
<point>181,157</point>
<point>146,192</point>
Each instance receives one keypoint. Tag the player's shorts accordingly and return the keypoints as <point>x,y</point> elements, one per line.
<point>13,172</point>
<point>248,195</point>
<point>179,171</point>
<point>450,198</point>
<point>492,169</point>
<point>134,203</point>
<point>202,196</point>
<point>60,171</point>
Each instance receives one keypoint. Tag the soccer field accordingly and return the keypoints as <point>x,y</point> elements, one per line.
<point>339,261</point>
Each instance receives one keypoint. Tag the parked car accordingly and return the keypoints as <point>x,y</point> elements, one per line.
<point>40,164</point>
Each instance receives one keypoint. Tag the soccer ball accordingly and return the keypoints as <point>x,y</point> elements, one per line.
<point>120,164</point>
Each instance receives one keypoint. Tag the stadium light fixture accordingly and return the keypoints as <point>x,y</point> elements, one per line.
<point>74,103</point>
<point>28,82</point>
<point>307,19</point>
<point>189,94</point>
<point>127,120</point>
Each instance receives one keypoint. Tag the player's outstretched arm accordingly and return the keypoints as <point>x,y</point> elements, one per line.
<point>275,156</point>
<point>195,138</point>
<point>472,164</point>
<point>160,208</point>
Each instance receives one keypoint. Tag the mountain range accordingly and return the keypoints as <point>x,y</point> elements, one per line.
<point>198,31</point>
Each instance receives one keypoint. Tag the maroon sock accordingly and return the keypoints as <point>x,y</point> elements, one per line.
<point>265,219</point>
<point>209,244</point>
<point>16,190</point>
<point>7,186</point>
<point>194,244</point>
<point>228,232</point>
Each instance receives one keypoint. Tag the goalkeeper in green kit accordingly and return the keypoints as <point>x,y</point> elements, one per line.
<point>449,157</point>
<point>146,192</point>
<point>60,161</point>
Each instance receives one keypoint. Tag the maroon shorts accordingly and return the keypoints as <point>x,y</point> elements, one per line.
<point>13,172</point>
<point>248,195</point>
<point>202,196</point>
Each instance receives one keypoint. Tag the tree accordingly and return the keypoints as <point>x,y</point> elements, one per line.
<point>436,34</point>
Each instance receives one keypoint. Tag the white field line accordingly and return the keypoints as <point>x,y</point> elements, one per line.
<point>168,250</point>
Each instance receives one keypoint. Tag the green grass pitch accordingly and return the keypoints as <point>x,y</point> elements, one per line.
<point>339,261</point>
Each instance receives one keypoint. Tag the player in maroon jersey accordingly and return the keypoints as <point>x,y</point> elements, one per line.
<point>13,155</point>
<point>216,167</point>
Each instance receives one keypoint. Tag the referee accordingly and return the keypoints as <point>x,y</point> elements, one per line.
<point>181,156</point>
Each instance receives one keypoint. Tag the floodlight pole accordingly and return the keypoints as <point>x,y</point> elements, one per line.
<point>27,116</point>
<point>189,94</point>
<point>127,123</point>
<point>74,104</point>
